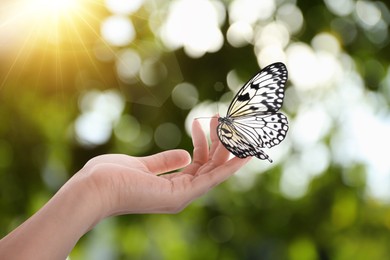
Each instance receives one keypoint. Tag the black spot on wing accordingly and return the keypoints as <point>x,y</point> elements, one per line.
<point>244,97</point>
<point>235,142</point>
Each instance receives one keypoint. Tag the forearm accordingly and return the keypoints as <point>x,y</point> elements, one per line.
<point>53,231</point>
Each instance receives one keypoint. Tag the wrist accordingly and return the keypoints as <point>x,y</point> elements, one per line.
<point>82,189</point>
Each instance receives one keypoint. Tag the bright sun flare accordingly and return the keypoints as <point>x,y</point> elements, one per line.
<point>60,5</point>
<point>48,39</point>
<point>53,8</point>
<point>51,20</point>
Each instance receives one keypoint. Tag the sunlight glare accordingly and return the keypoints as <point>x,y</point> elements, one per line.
<point>50,8</point>
<point>48,20</point>
<point>57,5</point>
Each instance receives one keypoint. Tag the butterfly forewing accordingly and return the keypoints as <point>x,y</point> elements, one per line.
<point>252,121</point>
<point>263,93</point>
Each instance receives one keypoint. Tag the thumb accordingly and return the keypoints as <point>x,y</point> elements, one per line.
<point>166,161</point>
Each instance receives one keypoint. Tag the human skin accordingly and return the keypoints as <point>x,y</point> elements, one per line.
<point>117,184</point>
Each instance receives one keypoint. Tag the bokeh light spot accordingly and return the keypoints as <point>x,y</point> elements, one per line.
<point>167,136</point>
<point>340,7</point>
<point>185,95</point>
<point>128,65</point>
<point>239,34</point>
<point>92,129</point>
<point>309,69</point>
<point>273,34</point>
<point>291,16</point>
<point>194,25</point>
<point>311,124</point>
<point>152,72</point>
<point>295,180</point>
<point>100,110</point>
<point>127,129</point>
<point>118,30</point>
<point>368,13</point>
<point>326,42</point>
<point>251,11</point>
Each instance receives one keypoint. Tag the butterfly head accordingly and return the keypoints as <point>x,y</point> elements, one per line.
<point>225,120</point>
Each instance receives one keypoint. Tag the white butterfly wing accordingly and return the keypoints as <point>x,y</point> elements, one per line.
<point>264,131</point>
<point>246,136</point>
<point>252,120</point>
<point>236,142</point>
<point>262,94</point>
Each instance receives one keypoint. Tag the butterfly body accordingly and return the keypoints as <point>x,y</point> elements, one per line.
<point>253,121</point>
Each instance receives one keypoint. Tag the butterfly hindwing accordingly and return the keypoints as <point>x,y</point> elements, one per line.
<point>237,144</point>
<point>264,131</point>
<point>252,121</point>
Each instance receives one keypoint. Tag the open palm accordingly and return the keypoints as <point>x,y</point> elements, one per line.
<point>127,184</point>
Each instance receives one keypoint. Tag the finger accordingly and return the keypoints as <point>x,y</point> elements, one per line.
<point>166,161</point>
<point>204,182</point>
<point>220,155</point>
<point>201,149</point>
<point>213,135</point>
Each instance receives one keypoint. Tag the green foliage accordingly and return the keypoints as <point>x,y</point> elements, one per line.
<point>335,218</point>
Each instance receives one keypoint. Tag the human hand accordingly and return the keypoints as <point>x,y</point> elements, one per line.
<point>125,184</point>
<point>117,184</point>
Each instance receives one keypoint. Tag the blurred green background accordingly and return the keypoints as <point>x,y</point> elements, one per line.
<point>88,77</point>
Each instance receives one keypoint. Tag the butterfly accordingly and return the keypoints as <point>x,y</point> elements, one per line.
<point>253,121</point>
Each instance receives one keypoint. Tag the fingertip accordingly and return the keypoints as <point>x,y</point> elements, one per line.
<point>214,120</point>
<point>213,129</point>
<point>183,156</point>
<point>196,123</point>
<point>167,161</point>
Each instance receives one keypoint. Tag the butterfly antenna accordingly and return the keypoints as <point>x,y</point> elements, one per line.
<point>206,117</point>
